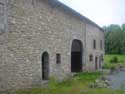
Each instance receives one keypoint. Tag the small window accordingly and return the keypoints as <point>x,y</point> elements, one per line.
<point>91,58</point>
<point>2,22</point>
<point>1,9</point>
<point>94,44</point>
<point>58,59</point>
<point>101,44</point>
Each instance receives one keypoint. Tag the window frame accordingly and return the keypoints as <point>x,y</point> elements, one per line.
<point>101,45</point>
<point>1,9</point>
<point>58,58</point>
<point>90,58</point>
<point>94,44</point>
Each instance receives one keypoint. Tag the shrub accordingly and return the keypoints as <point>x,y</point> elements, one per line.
<point>114,60</point>
<point>107,66</point>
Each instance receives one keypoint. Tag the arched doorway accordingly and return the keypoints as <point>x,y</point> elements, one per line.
<point>76,56</point>
<point>45,66</point>
<point>96,62</point>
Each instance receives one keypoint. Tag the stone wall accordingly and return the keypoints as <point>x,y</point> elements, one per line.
<point>33,27</point>
<point>93,33</point>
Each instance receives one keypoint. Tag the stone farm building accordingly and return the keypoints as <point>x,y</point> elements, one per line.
<point>45,38</point>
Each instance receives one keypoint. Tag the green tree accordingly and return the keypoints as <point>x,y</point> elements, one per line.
<point>114,39</point>
<point>123,38</point>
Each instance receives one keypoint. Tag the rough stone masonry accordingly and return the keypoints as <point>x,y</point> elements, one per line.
<point>40,39</point>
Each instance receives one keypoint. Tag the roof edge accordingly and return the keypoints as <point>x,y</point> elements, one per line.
<point>56,3</point>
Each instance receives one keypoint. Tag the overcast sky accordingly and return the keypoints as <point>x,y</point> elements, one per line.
<point>102,12</point>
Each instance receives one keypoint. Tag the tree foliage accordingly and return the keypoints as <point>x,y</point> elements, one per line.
<point>114,39</point>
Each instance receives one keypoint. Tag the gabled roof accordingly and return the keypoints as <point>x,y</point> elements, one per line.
<point>58,4</point>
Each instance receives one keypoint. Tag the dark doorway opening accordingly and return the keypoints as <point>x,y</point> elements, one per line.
<point>100,62</point>
<point>45,66</point>
<point>76,56</point>
<point>96,63</point>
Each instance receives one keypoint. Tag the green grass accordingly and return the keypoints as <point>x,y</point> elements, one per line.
<point>109,65</point>
<point>121,58</point>
<point>79,84</point>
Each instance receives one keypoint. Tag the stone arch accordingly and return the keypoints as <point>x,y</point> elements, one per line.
<point>76,56</point>
<point>45,66</point>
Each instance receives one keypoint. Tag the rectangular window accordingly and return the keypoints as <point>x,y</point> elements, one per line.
<point>1,9</point>
<point>101,44</point>
<point>2,18</point>
<point>58,59</point>
<point>90,58</point>
<point>94,44</point>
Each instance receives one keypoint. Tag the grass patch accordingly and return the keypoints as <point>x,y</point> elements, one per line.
<point>79,84</point>
<point>29,91</point>
<point>121,58</point>
<point>87,76</point>
<point>110,61</point>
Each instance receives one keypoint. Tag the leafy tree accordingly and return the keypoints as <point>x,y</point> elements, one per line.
<point>114,39</point>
